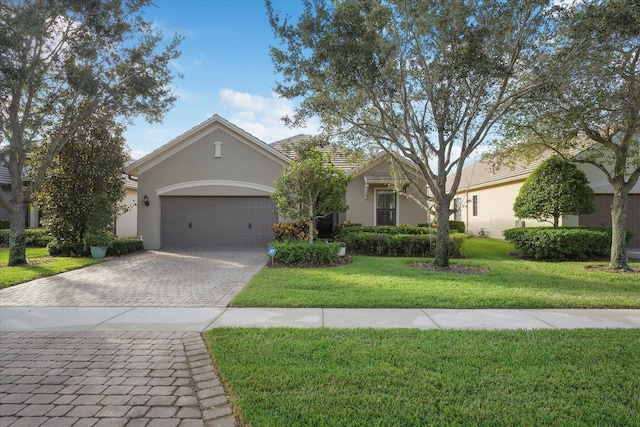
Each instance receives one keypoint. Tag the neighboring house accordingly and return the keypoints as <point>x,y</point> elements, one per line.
<point>125,223</point>
<point>486,195</point>
<point>211,187</point>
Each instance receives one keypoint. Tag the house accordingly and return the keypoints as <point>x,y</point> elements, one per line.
<point>486,194</point>
<point>211,186</point>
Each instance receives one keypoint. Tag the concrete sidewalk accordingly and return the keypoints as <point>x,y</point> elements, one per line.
<point>198,319</point>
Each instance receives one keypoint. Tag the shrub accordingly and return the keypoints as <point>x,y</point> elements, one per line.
<point>409,245</point>
<point>386,229</point>
<point>34,237</point>
<point>457,226</point>
<point>292,231</point>
<point>117,247</point>
<point>301,253</point>
<point>4,224</point>
<point>561,244</point>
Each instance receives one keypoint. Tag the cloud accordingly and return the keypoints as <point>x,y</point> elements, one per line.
<point>260,116</point>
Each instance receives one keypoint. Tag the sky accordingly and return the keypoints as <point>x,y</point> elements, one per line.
<point>226,70</point>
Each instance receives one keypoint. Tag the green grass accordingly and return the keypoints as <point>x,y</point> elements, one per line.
<point>402,377</point>
<point>40,264</point>
<point>390,282</point>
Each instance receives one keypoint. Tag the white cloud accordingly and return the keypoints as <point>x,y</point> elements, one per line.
<point>260,116</point>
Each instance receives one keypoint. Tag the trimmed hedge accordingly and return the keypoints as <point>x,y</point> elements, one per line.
<point>4,224</point>
<point>385,229</point>
<point>117,248</point>
<point>301,253</point>
<point>34,237</point>
<point>409,245</point>
<point>561,244</point>
<point>457,226</point>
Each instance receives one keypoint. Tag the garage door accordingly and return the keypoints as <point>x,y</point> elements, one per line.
<point>217,222</point>
<point>602,215</point>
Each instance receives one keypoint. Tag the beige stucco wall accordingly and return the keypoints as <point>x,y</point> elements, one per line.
<point>495,210</point>
<point>244,169</point>
<point>126,223</point>
<point>362,211</point>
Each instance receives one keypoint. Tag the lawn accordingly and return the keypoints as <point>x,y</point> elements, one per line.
<point>391,282</point>
<point>40,264</point>
<point>365,377</point>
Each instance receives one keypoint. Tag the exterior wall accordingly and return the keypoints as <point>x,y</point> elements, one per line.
<point>495,210</point>
<point>242,170</point>
<point>126,223</point>
<point>362,211</point>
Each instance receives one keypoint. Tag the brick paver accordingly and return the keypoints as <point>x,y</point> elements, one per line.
<point>66,395</point>
<point>146,279</point>
<point>102,379</point>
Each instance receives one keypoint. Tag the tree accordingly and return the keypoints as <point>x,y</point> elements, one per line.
<point>423,81</point>
<point>595,108</point>
<point>555,188</point>
<point>62,62</point>
<point>87,170</point>
<point>311,188</point>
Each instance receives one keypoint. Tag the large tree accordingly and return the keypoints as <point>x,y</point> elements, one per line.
<point>89,167</point>
<point>424,81</point>
<point>593,110</point>
<point>61,62</point>
<point>555,188</point>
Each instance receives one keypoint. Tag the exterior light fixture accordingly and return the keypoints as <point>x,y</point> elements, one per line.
<point>145,200</point>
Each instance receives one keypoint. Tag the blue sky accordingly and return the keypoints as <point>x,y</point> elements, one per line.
<point>226,67</point>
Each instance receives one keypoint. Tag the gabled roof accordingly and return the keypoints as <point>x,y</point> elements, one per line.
<point>338,157</point>
<point>193,135</point>
<point>486,173</point>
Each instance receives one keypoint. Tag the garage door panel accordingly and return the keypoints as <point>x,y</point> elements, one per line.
<point>217,221</point>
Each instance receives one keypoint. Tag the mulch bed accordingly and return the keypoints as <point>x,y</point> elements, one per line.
<point>607,269</point>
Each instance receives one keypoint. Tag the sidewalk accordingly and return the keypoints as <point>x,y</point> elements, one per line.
<point>198,319</point>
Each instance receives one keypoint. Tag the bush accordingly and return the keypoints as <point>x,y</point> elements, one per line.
<point>457,226</point>
<point>301,253</point>
<point>385,229</point>
<point>117,247</point>
<point>292,231</point>
<point>34,237</point>
<point>561,244</point>
<point>4,224</point>
<point>409,245</point>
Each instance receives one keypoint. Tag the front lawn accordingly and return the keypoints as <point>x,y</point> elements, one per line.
<point>40,264</point>
<point>401,377</point>
<point>390,282</point>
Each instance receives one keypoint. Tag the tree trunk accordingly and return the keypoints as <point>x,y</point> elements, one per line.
<point>442,236</point>
<point>17,235</point>
<point>310,224</point>
<point>619,230</point>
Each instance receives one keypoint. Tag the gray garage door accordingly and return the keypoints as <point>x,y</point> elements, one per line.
<point>217,222</point>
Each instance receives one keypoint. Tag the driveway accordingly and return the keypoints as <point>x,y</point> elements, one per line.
<point>117,344</point>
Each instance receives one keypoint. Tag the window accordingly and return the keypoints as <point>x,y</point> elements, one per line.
<point>457,206</point>
<point>475,205</point>
<point>385,207</point>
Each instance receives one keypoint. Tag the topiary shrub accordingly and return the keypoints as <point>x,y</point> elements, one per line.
<point>301,253</point>
<point>409,245</point>
<point>561,244</point>
<point>124,246</point>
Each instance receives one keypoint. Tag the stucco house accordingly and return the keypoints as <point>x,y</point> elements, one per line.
<point>486,195</point>
<point>210,187</point>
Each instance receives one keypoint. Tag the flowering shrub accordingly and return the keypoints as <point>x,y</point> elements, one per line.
<point>292,231</point>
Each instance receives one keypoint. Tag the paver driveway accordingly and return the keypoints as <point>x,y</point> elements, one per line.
<point>125,378</point>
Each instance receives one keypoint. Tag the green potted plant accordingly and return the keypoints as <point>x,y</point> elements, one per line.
<point>98,235</point>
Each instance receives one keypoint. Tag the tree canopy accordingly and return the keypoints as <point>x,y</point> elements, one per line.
<point>594,108</point>
<point>423,81</point>
<point>311,187</point>
<point>62,62</point>
<point>554,189</point>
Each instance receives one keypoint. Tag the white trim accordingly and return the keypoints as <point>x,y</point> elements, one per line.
<point>214,182</point>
